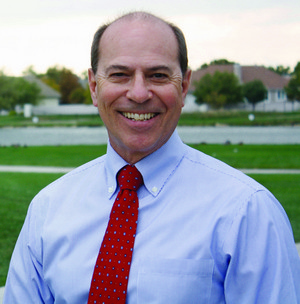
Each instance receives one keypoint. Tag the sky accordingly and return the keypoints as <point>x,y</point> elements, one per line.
<point>45,33</point>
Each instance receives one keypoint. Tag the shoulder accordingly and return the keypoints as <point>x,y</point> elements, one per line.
<point>75,179</point>
<point>213,170</point>
<point>66,191</point>
<point>227,189</point>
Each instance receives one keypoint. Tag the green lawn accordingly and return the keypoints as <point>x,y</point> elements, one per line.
<point>212,118</point>
<point>62,156</point>
<point>14,200</point>
<point>51,121</point>
<point>16,193</point>
<point>239,118</point>
<point>239,156</point>
<point>286,189</point>
<point>255,156</point>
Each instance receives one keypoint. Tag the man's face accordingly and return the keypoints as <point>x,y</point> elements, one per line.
<point>138,87</point>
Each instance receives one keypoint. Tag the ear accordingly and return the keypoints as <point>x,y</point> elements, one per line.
<point>93,87</point>
<point>186,84</point>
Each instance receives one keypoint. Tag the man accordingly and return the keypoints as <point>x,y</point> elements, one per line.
<point>206,233</point>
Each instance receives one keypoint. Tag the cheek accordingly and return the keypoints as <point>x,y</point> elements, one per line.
<point>171,98</point>
<point>106,95</point>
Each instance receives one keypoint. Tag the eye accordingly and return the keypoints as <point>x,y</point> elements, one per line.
<point>118,77</point>
<point>159,75</point>
<point>118,74</point>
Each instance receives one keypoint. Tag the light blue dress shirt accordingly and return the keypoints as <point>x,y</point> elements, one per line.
<point>207,233</point>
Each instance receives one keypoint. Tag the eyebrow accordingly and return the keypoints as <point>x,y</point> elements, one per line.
<point>116,67</point>
<point>150,69</point>
<point>160,68</point>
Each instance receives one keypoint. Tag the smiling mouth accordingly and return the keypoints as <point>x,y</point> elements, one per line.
<point>138,117</point>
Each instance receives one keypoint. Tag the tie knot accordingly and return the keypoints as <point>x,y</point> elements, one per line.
<point>130,178</point>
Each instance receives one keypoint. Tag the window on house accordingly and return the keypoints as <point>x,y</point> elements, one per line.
<point>281,95</point>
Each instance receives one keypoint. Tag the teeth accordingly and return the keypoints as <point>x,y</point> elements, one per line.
<point>138,117</point>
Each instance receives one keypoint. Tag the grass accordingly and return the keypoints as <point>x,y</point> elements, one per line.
<point>239,118</point>
<point>51,120</point>
<point>238,156</point>
<point>14,201</point>
<point>16,194</point>
<point>286,189</point>
<point>230,118</point>
<point>61,156</point>
<point>255,156</point>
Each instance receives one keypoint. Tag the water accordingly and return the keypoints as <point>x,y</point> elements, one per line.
<point>246,135</point>
<point>53,136</point>
<point>98,135</point>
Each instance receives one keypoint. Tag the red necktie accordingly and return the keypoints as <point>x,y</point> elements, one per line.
<point>111,272</point>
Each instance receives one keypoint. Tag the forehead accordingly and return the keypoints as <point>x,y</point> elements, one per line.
<point>153,39</point>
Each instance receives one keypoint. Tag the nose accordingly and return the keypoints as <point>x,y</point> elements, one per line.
<point>138,90</point>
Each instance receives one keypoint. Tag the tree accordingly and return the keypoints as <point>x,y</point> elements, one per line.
<point>87,95</point>
<point>218,90</point>
<point>6,93</point>
<point>66,82</point>
<point>26,92</point>
<point>30,71</point>
<point>254,91</point>
<point>217,62</point>
<point>293,88</point>
<point>54,73</point>
<point>69,82</point>
<point>281,70</point>
<point>77,95</point>
<point>17,91</point>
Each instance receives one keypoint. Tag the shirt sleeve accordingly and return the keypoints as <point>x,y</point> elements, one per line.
<point>264,265</point>
<point>25,282</point>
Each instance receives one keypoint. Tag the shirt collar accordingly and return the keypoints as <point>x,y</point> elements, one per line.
<point>113,163</point>
<point>156,168</point>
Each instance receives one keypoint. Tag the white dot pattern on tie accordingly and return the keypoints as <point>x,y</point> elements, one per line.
<point>110,278</point>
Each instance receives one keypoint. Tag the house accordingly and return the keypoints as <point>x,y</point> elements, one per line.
<point>275,83</point>
<point>49,96</point>
<point>50,103</point>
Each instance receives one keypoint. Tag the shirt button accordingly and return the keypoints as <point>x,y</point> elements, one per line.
<point>110,189</point>
<point>154,189</point>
